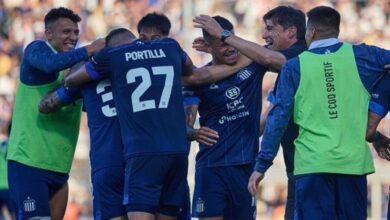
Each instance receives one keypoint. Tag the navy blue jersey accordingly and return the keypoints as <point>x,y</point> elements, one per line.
<point>232,107</point>
<point>381,94</point>
<point>104,130</point>
<point>146,80</point>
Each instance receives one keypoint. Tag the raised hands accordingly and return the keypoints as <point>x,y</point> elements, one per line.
<point>208,24</point>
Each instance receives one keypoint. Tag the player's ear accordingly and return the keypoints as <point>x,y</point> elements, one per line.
<point>48,34</point>
<point>292,32</point>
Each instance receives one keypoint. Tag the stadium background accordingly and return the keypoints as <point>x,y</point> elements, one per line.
<point>21,22</point>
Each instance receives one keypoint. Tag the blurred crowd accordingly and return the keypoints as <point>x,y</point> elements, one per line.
<point>21,21</point>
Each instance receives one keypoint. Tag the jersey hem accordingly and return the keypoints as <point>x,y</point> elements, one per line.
<point>40,166</point>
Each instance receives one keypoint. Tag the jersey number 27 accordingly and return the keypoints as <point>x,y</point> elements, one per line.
<point>145,84</point>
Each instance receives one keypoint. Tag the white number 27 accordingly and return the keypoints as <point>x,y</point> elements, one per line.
<point>146,82</point>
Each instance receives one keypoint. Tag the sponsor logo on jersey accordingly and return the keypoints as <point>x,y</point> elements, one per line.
<point>235,105</point>
<point>29,205</point>
<point>229,118</point>
<point>233,92</point>
<point>244,74</point>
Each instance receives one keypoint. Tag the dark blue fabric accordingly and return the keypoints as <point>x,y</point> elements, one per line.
<point>166,184</point>
<point>104,128</point>
<point>155,119</point>
<point>33,188</point>
<point>292,130</point>
<point>380,100</point>
<point>41,65</point>
<point>331,196</point>
<point>223,192</point>
<point>370,61</point>
<point>232,107</point>
<point>107,185</point>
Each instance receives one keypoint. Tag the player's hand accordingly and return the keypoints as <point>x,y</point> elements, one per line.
<point>382,148</point>
<point>50,103</point>
<point>207,136</point>
<point>254,181</point>
<point>96,46</point>
<point>199,44</point>
<point>209,24</point>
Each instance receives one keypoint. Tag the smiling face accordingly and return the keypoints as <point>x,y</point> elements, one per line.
<point>222,53</point>
<point>63,34</point>
<point>276,37</point>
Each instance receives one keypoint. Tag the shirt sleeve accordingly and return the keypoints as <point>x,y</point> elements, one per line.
<point>39,55</point>
<point>68,96</point>
<point>377,109</point>
<point>279,116</point>
<point>189,97</point>
<point>293,51</point>
<point>99,65</point>
<point>380,96</point>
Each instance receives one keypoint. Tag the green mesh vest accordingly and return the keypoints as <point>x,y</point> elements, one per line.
<point>43,141</point>
<point>331,109</point>
<point>3,166</point>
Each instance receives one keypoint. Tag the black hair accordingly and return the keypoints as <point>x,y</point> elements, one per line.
<point>116,32</point>
<point>324,19</point>
<point>225,24</point>
<point>156,21</point>
<point>288,16</point>
<point>56,13</point>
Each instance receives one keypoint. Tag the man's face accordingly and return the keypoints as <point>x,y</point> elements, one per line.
<point>276,37</point>
<point>63,34</point>
<point>222,52</point>
<point>150,34</point>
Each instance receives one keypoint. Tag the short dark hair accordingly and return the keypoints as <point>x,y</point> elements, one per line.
<point>156,21</point>
<point>288,16</point>
<point>115,33</point>
<point>56,13</point>
<point>225,24</point>
<point>324,19</point>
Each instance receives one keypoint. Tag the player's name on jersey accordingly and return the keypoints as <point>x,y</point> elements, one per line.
<point>145,54</point>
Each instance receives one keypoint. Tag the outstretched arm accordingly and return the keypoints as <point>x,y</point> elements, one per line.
<point>213,73</point>
<point>42,57</point>
<point>272,59</point>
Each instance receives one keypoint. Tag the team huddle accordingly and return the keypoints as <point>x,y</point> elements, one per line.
<point>142,95</point>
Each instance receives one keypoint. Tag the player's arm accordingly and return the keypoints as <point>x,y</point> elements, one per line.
<point>57,99</point>
<point>96,69</point>
<point>380,142</point>
<point>377,112</point>
<point>62,96</point>
<point>213,73</point>
<point>272,59</point>
<point>203,135</point>
<point>78,77</point>
<point>42,57</point>
<point>277,122</point>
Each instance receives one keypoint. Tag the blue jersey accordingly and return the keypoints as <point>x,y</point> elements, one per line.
<point>146,80</point>
<point>104,130</point>
<point>380,100</point>
<point>41,62</point>
<point>232,107</point>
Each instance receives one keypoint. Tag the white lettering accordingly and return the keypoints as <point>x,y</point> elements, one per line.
<point>144,54</point>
